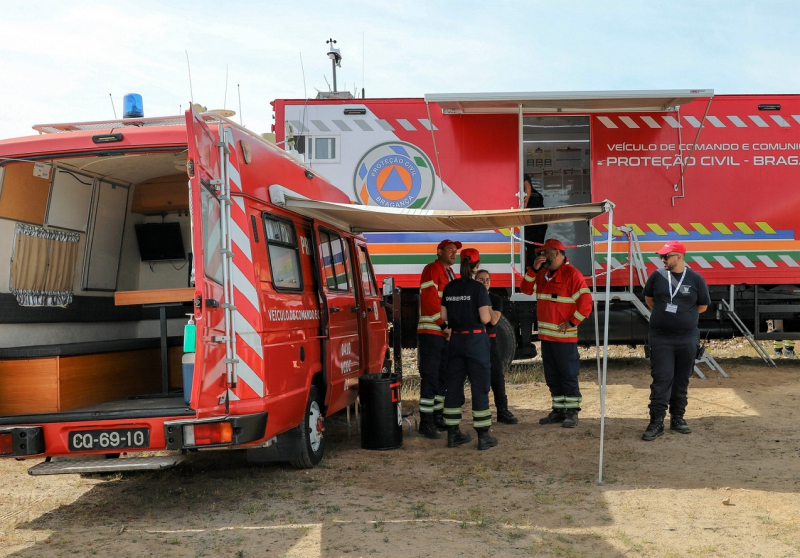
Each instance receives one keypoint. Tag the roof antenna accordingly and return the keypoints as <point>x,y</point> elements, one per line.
<point>336,60</point>
<point>191,93</point>
<point>302,69</point>
<point>239,91</point>
<point>363,56</point>
<point>326,81</point>
<point>225,98</point>
<point>112,106</point>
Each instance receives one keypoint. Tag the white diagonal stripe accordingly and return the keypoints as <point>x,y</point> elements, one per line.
<point>241,240</point>
<point>758,121</point>
<point>788,260</point>
<point>628,121</point>
<point>767,261</point>
<point>672,121</point>
<point>796,118</point>
<point>694,122</point>
<point>615,263</point>
<point>232,396</point>
<point>607,121</point>
<point>299,127</point>
<point>737,121</point>
<point>384,124</point>
<point>779,120</point>
<point>406,124</point>
<point>745,261</point>
<point>342,125</point>
<point>363,125</point>
<point>716,122</point>
<point>655,260</point>
<point>247,332</point>
<point>233,174</point>
<point>723,261</point>
<point>249,377</point>
<point>241,282</point>
<point>427,123</point>
<point>701,261</point>
<point>650,121</point>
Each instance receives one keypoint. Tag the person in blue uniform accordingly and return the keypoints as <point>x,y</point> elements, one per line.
<point>466,309</point>
<point>677,296</point>
<point>498,381</point>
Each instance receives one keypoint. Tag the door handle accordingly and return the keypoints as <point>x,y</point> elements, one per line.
<point>354,309</point>
<point>334,310</point>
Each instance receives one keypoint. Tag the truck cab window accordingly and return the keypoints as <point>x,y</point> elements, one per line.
<point>335,258</point>
<point>284,258</point>
<point>367,278</point>
<point>212,236</point>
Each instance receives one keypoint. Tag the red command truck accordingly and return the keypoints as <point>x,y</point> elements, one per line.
<point>718,172</point>
<point>97,220</point>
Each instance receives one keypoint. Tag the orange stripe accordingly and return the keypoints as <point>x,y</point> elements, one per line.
<point>488,247</point>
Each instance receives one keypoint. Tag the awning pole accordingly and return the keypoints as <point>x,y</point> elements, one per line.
<point>605,339</point>
<point>596,317</point>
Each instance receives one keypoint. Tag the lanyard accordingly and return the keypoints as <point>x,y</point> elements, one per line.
<point>669,280</point>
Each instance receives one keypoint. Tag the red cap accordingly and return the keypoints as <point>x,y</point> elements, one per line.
<point>471,255</point>
<point>672,246</point>
<point>551,243</point>
<point>446,241</point>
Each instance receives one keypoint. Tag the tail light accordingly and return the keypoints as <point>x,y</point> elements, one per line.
<point>206,434</point>
<point>6,444</point>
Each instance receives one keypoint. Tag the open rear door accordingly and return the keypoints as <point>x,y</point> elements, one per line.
<point>210,384</point>
<point>373,315</point>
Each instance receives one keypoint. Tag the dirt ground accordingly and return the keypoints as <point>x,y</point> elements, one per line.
<point>728,489</point>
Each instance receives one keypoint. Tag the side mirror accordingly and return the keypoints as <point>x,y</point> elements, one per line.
<point>388,286</point>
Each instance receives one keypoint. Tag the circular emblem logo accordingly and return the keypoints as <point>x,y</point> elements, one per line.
<point>395,174</point>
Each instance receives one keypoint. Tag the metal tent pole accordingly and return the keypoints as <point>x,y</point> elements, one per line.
<point>605,340</point>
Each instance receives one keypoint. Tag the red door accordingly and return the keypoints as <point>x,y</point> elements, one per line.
<point>373,314</point>
<point>209,386</point>
<point>343,357</point>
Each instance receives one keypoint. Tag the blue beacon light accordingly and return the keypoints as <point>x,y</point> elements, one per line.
<point>132,106</point>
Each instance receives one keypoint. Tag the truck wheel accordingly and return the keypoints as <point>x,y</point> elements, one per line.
<point>312,442</point>
<point>506,341</point>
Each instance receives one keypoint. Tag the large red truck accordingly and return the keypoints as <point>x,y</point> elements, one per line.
<point>718,172</point>
<point>287,310</point>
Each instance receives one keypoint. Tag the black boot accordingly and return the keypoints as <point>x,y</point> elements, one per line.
<point>456,438</point>
<point>427,427</point>
<point>485,441</point>
<point>438,420</point>
<point>555,416</point>
<point>570,419</point>
<point>506,416</point>
<point>654,429</point>
<point>677,424</point>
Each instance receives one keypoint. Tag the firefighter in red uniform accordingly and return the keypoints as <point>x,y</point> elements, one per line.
<point>432,339</point>
<point>562,302</point>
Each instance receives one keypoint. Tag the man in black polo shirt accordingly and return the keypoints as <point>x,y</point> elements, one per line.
<point>676,296</point>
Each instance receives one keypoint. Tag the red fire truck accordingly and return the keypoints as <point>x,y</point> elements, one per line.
<point>97,359</point>
<point>714,171</point>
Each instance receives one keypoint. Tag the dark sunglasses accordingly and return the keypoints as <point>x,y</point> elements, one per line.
<point>665,257</point>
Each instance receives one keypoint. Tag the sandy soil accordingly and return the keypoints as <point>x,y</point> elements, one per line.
<point>728,489</point>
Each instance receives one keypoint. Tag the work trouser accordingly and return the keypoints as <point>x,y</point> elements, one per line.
<point>469,357</point>
<point>498,381</point>
<point>672,356</point>
<point>562,364</point>
<point>432,366</point>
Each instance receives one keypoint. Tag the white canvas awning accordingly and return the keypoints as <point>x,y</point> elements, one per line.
<point>362,218</point>
<point>566,101</point>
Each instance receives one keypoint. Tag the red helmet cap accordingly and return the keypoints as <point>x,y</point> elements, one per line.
<point>447,241</point>
<point>551,243</point>
<point>672,246</point>
<point>471,255</point>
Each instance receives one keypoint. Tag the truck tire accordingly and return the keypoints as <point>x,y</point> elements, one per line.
<point>506,341</point>
<point>312,442</point>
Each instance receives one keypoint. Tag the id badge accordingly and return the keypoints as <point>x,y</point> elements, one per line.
<point>672,308</point>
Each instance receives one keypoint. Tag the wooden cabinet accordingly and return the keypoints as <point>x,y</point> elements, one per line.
<point>166,194</point>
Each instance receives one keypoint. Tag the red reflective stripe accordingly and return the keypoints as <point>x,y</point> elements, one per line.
<point>471,331</point>
<point>492,335</point>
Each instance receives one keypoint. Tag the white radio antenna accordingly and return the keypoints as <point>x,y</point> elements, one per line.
<point>112,106</point>
<point>239,91</point>
<point>191,93</point>
<point>302,69</point>
<point>363,63</point>
<point>225,98</point>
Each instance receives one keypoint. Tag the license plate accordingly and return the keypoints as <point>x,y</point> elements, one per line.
<point>117,438</point>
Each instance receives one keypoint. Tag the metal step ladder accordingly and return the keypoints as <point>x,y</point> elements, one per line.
<point>737,321</point>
